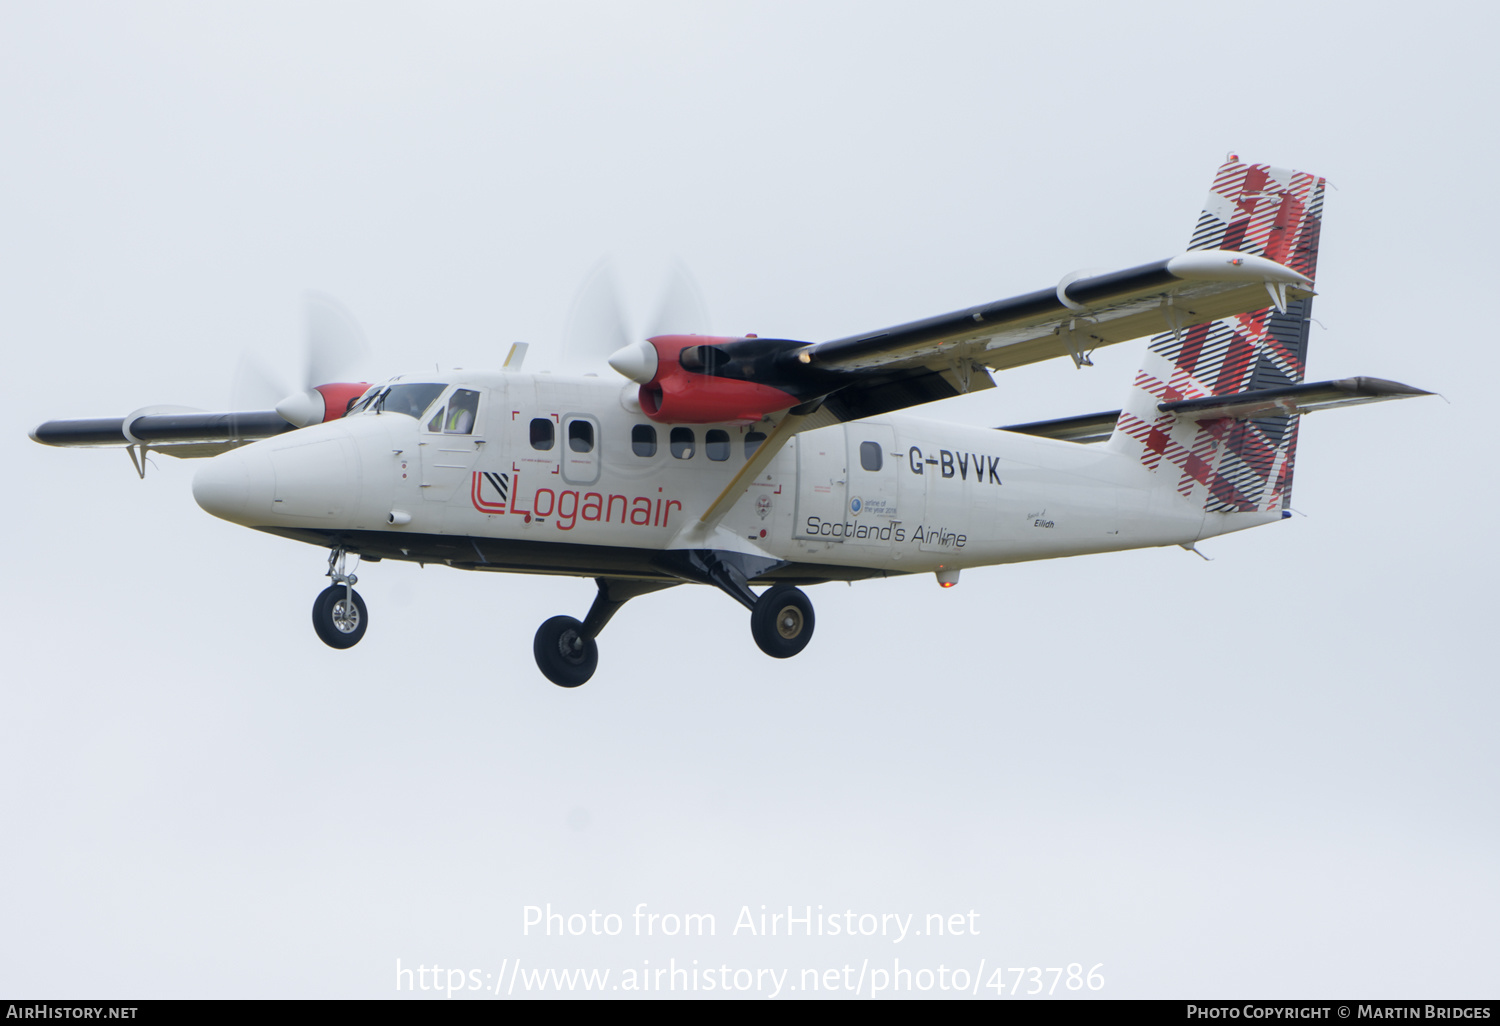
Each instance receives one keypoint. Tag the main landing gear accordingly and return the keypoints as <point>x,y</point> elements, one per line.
<point>565,649</point>
<point>781,621</point>
<point>339,614</point>
<point>565,652</point>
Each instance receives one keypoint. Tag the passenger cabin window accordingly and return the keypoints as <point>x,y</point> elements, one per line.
<point>462,409</point>
<point>870,456</point>
<point>643,440</point>
<point>716,445</point>
<point>752,442</point>
<point>682,443</point>
<point>542,434</point>
<point>580,436</point>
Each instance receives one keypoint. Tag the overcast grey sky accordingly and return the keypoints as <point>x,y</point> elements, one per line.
<point>1273,774</point>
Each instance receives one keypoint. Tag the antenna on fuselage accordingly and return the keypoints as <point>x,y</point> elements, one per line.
<point>516,356</point>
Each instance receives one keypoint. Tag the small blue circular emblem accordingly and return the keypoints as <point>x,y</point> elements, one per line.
<point>855,504</point>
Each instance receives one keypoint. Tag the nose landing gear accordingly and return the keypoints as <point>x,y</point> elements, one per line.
<point>339,614</point>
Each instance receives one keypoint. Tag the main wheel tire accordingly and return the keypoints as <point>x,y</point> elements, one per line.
<point>563,654</point>
<point>337,624</point>
<point>782,621</point>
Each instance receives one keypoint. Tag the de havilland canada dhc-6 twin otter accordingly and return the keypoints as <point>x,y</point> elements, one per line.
<point>746,461</point>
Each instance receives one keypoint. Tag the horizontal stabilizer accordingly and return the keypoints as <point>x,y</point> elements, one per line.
<point>1270,402</point>
<point>1091,427</point>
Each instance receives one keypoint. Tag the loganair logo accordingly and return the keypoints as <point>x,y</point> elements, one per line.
<point>501,495</point>
<point>491,491</point>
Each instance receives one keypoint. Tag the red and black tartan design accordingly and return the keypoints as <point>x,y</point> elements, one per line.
<point>1234,466</point>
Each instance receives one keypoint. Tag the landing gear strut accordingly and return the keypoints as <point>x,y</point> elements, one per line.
<point>565,649</point>
<point>781,617</point>
<point>339,614</point>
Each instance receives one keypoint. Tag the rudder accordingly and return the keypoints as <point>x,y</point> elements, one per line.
<point>1233,466</point>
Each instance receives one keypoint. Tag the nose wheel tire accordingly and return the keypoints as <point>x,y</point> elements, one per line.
<point>782,621</point>
<point>340,623</point>
<point>564,655</point>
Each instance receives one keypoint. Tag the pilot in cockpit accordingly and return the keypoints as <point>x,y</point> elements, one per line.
<point>461,412</point>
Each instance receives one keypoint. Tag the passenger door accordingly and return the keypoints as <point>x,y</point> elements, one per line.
<point>822,481</point>
<point>872,475</point>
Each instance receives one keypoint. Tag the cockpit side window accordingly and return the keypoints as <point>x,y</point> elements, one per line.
<point>362,403</point>
<point>411,400</point>
<point>462,409</point>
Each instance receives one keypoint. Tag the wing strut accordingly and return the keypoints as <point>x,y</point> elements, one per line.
<point>790,425</point>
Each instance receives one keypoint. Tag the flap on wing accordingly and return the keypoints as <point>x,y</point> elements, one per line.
<point>1270,402</point>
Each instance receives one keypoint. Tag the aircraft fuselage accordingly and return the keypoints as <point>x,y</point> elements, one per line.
<point>564,475</point>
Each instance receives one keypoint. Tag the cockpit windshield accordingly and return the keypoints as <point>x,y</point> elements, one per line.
<point>411,400</point>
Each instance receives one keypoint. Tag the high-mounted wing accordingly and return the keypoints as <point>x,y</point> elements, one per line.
<point>175,431</point>
<point>188,435</point>
<point>1254,248</point>
<point>697,379</point>
<point>1076,317</point>
<point>332,342</point>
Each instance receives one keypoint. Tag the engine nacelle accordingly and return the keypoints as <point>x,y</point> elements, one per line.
<point>682,383</point>
<point>320,404</point>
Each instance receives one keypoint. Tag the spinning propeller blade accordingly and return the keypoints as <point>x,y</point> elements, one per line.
<point>597,326</point>
<point>333,347</point>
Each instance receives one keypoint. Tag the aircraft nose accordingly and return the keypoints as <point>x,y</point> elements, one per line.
<point>228,483</point>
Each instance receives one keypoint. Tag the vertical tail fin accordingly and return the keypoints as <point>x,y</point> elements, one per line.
<point>1233,465</point>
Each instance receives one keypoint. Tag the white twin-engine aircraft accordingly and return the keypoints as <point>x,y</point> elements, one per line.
<point>734,462</point>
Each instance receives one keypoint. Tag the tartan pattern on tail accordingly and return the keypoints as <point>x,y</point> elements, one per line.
<point>1233,466</point>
